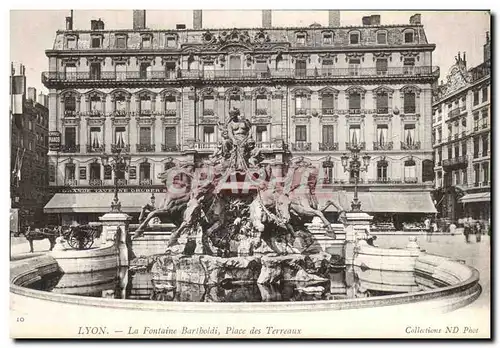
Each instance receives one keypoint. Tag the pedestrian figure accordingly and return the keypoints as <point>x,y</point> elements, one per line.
<point>428,230</point>
<point>467,230</point>
<point>452,228</point>
<point>478,231</point>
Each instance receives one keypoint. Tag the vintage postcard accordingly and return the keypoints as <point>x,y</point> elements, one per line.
<point>250,174</point>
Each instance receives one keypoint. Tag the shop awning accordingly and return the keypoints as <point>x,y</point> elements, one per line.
<point>383,202</point>
<point>131,202</point>
<point>476,197</point>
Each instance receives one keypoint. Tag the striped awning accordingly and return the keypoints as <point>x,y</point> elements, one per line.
<point>131,202</point>
<point>476,197</point>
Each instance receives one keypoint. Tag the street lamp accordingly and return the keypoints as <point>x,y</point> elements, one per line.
<point>119,164</point>
<point>355,166</point>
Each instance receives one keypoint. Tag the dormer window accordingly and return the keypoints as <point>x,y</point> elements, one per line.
<point>409,36</point>
<point>301,39</point>
<point>171,42</point>
<point>71,42</point>
<point>354,38</point>
<point>382,38</point>
<point>327,38</point>
<point>96,42</point>
<point>121,42</point>
<point>146,42</point>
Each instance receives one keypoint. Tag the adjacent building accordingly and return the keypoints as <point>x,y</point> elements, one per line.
<point>28,151</point>
<point>159,96</point>
<point>462,139</point>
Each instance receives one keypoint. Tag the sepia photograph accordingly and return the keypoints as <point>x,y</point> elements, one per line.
<point>250,174</point>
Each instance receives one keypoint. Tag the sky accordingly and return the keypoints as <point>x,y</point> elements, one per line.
<point>451,31</point>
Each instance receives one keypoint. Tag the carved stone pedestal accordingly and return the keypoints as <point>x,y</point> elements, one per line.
<point>115,227</point>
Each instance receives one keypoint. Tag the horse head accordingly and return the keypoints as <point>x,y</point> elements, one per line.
<point>283,203</point>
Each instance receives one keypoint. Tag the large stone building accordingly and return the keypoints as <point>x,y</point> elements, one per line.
<point>308,91</point>
<point>462,139</point>
<point>28,151</point>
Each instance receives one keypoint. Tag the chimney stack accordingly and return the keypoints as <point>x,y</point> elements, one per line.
<point>267,19</point>
<point>375,19</point>
<point>333,18</point>
<point>139,19</point>
<point>69,21</point>
<point>43,99</point>
<point>416,19</point>
<point>32,94</point>
<point>96,24</point>
<point>366,20</point>
<point>197,20</point>
<point>487,48</point>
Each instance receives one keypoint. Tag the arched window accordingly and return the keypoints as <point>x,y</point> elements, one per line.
<point>145,105</point>
<point>409,102</point>
<point>70,105</point>
<point>410,171</point>
<point>144,174</point>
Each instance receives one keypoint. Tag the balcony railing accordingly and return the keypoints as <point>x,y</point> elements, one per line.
<point>456,112</point>
<point>145,182</point>
<point>411,180</point>
<point>264,144</point>
<point>301,111</point>
<point>70,113</point>
<point>464,133</point>
<point>206,145</point>
<point>328,111</point>
<point>382,111</point>
<point>48,77</point>
<point>261,112</point>
<point>70,148</point>
<point>410,146</point>
<point>95,182</point>
<point>92,113</point>
<point>354,111</point>
<point>409,109</point>
<point>170,148</point>
<point>386,181</point>
<point>361,145</point>
<point>145,147</point>
<point>120,182</point>
<point>382,146</point>
<point>123,148</point>
<point>301,146</point>
<point>92,149</point>
<point>145,112</point>
<point>119,113</point>
<point>455,161</point>
<point>208,112</point>
<point>328,146</point>
<point>170,112</point>
<point>71,182</point>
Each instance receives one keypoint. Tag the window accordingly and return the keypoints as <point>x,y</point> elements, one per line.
<point>476,174</point>
<point>409,103</point>
<point>146,42</point>
<point>171,42</point>
<point>476,120</point>
<point>301,105</point>
<point>327,106</point>
<point>440,155</point>
<point>382,134</point>
<point>450,152</point>
<point>457,177</point>
<point>209,134</point>
<point>234,102</point>
<point>208,105</point>
<point>145,105</point>
<point>208,69</point>
<point>328,134</point>
<point>300,68</point>
<point>410,171</point>
<point>95,137</point>
<point>281,63</point>
<point>409,37</point>
<point>409,134</point>
<point>300,133</point>
<point>328,172</point>
<point>95,171</point>
<point>354,38</point>
<point>354,101</point>
<point>70,136</point>
<point>382,38</point>
<point>121,71</point>
<point>96,42</point>
<point>261,68</point>
<point>381,66</point>
<point>485,117</point>
<point>145,71</point>
<point>120,105</point>
<point>476,98</point>
<point>170,70</point>
<point>120,137</point>
<point>382,103</point>
<point>301,39</point>
<point>144,172</point>
<point>69,172</point>
<point>485,94</point>
<point>464,149</point>
<point>145,136</point>
<point>457,150</point>
<point>121,42</point>
<point>486,172</point>
<point>261,134</point>
<point>440,135</point>
<point>327,39</point>
<point>464,176</point>
<point>71,43</point>
<point>192,65</point>
<point>354,134</point>
<point>408,66</point>
<point>95,105</point>
<point>95,71</point>
<point>354,66</point>
<point>485,145</point>
<point>170,137</point>
<point>327,67</point>
<point>170,105</point>
<point>261,105</point>
<point>382,170</point>
<point>476,147</point>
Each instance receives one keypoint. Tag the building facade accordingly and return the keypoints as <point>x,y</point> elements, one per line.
<point>462,139</point>
<point>311,91</point>
<point>28,151</point>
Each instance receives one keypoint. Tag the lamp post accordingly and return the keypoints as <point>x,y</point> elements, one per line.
<point>119,164</point>
<point>355,166</point>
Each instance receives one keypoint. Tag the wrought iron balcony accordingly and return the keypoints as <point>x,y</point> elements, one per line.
<point>264,144</point>
<point>301,111</point>
<point>410,146</point>
<point>378,146</point>
<point>145,182</point>
<point>301,146</point>
<point>123,148</point>
<point>120,182</point>
<point>328,111</point>
<point>460,160</point>
<point>146,112</point>
<point>361,145</point>
<point>455,112</point>
<point>354,111</point>
<point>70,148</point>
<point>170,148</point>
<point>92,149</point>
<point>409,109</point>
<point>411,180</point>
<point>119,113</point>
<point>208,112</point>
<point>71,182</point>
<point>384,181</point>
<point>328,146</point>
<point>92,113</point>
<point>71,113</point>
<point>382,111</point>
<point>170,112</point>
<point>261,112</point>
<point>145,147</point>
<point>95,182</point>
<point>206,145</point>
